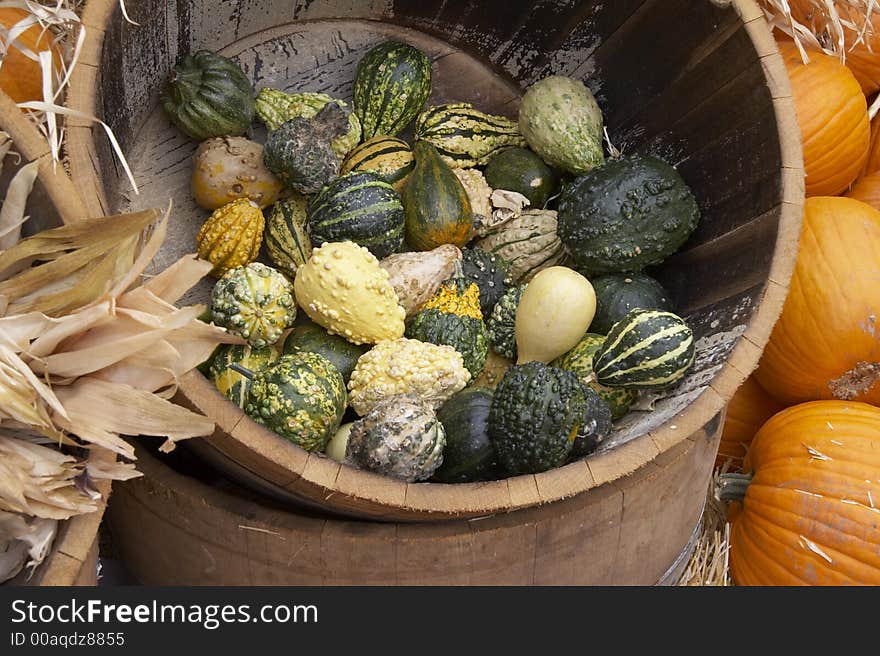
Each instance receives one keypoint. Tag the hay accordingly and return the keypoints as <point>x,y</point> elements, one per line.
<point>709,565</point>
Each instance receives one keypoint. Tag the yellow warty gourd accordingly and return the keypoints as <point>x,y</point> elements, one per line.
<point>231,236</point>
<point>343,288</point>
<point>555,311</point>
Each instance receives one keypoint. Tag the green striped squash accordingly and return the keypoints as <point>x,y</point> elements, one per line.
<point>391,87</point>
<point>388,157</point>
<point>231,383</point>
<point>647,349</point>
<point>286,238</point>
<point>466,137</point>
<point>358,207</point>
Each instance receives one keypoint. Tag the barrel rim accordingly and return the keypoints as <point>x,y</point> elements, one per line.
<point>371,495</point>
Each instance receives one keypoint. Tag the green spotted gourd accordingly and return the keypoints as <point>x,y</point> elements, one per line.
<point>231,383</point>
<point>255,302</point>
<point>286,235</point>
<point>388,157</point>
<point>392,85</point>
<point>647,349</point>
<point>490,272</point>
<point>501,323</point>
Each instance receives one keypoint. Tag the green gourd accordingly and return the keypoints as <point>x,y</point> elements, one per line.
<point>311,337</point>
<point>618,293</point>
<point>286,235</point>
<point>522,171</point>
<point>469,455</point>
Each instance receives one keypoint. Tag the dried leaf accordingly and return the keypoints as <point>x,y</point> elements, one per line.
<point>12,213</point>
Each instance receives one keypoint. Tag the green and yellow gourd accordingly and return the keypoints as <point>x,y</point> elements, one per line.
<point>647,349</point>
<point>469,455</point>
<point>301,397</point>
<point>231,236</point>
<point>343,288</point>
<point>490,272</point>
<point>438,210</point>
<point>358,207</point>
<point>537,412</point>
<point>579,361</point>
<point>528,243</point>
<point>231,383</point>
<point>453,317</point>
<point>501,324</point>
<point>274,107</point>
<point>464,136</point>
<point>388,157</point>
<point>341,353</point>
<point>392,84</point>
<point>286,235</point>
<point>208,95</point>
<point>254,302</point>
<point>400,437</point>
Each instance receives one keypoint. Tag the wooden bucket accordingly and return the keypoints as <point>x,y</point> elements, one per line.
<point>74,556</point>
<point>697,82</point>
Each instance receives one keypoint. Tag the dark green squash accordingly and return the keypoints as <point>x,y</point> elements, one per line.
<point>392,84</point>
<point>490,272</point>
<point>596,426</point>
<point>648,349</point>
<point>309,336</point>
<point>438,210</point>
<point>522,171</point>
<point>536,415</point>
<point>359,207</point>
<point>469,455</point>
<point>208,95</point>
<point>627,214</point>
<point>286,236</point>
<point>618,293</point>
<point>501,323</point>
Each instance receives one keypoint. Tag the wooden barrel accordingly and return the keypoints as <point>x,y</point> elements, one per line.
<point>699,83</point>
<point>73,559</point>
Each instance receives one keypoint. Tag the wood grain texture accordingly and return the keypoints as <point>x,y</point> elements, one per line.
<point>697,83</point>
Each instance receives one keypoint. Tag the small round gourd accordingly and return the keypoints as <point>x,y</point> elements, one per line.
<point>339,351</point>
<point>490,272</point>
<point>553,314</point>
<point>618,293</point>
<point>228,168</point>
<point>522,171</point>
<point>388,157</point>
<point>231,236</point>
<point>234,385</point>
<point>502,323</point>
<point>400,437</point>
<point>469,455</point>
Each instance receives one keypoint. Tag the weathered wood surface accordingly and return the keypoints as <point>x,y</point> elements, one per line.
<point>697,83</point>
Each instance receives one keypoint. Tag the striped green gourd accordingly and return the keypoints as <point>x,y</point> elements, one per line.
<point>391,87</point>
<point>466,137</point>
<point>286,238</point>
<point>358,207</point>
<point>388,157</point>
<point>647,349</point>
<point>232,384</point>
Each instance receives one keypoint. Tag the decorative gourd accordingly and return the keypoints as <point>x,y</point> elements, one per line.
<point>343,288</point>
<point>805,513</point>
<point>453,317</point>
<point>562,122</point>
<point>208,95</point>
<point>747,411</point>
<point>300,151</point>
<point>400,437</point>
<point>464,136</point>
<point>502,323</point>
<point>428,372</point>
<point>528,243</point>
<point>341,353</point>
<point>494,370</point>
<point>301,397</point>
<point>478,191</point>
<point>228,168</point>
<point>274,107</point>
<point>618,293</point>
<point>647,349</point>
<point>437,207</point>
<point>416,277</point>
<point>21,77</point>
<point>392,84</point>
<point>490,272</point>
<point>287,238</point>
<point>833,118</point>
<point>629,213</point>
<point>231,383</point>
<point>388,157</point>
<point>231,236</point>
<point>358,207</point>
<point>553,313</point>
<point>596,427</point>
<point>536,414</point>
<point>579,361</point>
<point>469,455</point>
<point>824,345</point>
<point>339,442</point>
<point>522,171</point>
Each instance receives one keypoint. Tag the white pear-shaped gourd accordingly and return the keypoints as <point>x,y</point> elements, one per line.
<point>337,444</point>
<point>555,311</point>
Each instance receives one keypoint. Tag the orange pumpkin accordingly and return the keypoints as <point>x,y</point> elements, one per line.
<point>867,190</point>
<point>808,512</point>
<point>747,411</point>
<point>826,344</point>
<point>872,163</point>
<point>833,116</point>
<point>20,77</point>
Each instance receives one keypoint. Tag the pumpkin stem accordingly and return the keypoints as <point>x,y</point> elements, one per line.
<point>732,487</point>
<point>244,371</point>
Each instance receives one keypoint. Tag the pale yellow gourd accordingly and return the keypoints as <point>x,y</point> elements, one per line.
<point>554,313</point>
<point>336,446</point>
